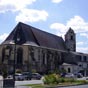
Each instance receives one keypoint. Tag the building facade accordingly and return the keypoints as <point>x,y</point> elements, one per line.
<point>31,49</point>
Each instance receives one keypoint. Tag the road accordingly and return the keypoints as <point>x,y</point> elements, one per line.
<point>17,83</point>
<point>40,81</point>
<point>81,86</point>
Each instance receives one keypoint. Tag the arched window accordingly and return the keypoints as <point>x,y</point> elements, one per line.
<point>19,56</point>
<point>3,54</point>
<point>6,53</point>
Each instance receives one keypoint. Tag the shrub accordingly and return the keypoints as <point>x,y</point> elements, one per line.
<point>18,71</point>
<point>82,81</point>
<point>61,80</point>
<point>69,80</point>
<point>52,79</point>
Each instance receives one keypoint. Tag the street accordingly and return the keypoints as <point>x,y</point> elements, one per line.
<point>18,83</point>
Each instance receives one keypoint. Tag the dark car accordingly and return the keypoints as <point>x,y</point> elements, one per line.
<point>78,75</point>
<point>27,75</point>
<point>36,76</point>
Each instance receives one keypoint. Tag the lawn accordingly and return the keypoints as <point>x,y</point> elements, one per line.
<point>82,82</point>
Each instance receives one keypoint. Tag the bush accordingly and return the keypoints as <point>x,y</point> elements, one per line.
<point>52,79</point>
<point>56,79</point>
<point>18,71</point>
<point>82,81</point>
<point>69,80</point>
<point>61,80</point>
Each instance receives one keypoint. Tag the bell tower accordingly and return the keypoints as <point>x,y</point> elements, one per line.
<point>70,40</point>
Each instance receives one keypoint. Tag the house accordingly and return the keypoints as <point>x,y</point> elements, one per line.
<point>31,49</point>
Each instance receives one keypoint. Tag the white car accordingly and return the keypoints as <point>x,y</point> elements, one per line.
<point>70,75</point>
<point>19,77</point>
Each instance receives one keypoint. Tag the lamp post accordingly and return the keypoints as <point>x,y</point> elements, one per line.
<point>14,63</point>
<point>16,41</point>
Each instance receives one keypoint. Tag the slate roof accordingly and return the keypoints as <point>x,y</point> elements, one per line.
<point>25,34</point>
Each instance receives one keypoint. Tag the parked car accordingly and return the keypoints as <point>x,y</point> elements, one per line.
<point>70,75</point>
<point>9,77</point>
<point>27,75</point>
<point>36,76</point>
<point>19,77</point>
<point>78,75</point>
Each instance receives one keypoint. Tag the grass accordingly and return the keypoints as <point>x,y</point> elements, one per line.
<point>36,85</point>
<point>60,84</point>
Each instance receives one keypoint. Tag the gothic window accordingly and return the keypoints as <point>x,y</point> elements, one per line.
<point>19,56</point>
<point>6,52</point>
<point>3,54</point>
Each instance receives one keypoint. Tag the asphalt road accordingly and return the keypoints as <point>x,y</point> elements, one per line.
<point>81,86</point>
<point>18,83</point>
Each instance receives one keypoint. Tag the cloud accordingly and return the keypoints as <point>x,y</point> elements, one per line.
<point>3,36</point>
<point>60,28</point>
<point>21,7</point>
<point>82,49</point>
<point>31,15</point>
<point>77,23</point>
<point>56,1</point>
<point>14,5</point>
<point>80,43</point>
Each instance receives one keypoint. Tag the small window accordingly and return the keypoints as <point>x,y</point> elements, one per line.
<point>69,70</point>
<point>80,65</point>
<point>79,58</point>
<point>85,58</point>
<point>71,37</point>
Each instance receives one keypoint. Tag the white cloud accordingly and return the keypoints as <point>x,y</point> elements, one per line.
<point>14,5</point>
<point>31,15</point>
<point>21,7</point>
<point>77,23</point>
<point>3,36</point>
<point>60,28</point>
<point>82,49</point>
<point>56,1</point>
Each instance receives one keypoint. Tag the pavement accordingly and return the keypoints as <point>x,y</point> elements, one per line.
<point>19,83</point>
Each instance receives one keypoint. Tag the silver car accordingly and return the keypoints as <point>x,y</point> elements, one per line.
<point>19,77</point>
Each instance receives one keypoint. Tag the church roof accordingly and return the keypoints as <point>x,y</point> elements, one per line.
<point>28,35</point>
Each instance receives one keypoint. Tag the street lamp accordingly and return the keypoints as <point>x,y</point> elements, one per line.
<point>16,41</point>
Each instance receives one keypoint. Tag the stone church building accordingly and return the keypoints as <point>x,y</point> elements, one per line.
<point>29,49</point>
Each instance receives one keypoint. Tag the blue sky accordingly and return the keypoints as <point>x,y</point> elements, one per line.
<point>54,16</point>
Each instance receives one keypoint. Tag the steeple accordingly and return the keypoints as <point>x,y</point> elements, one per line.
<point>70,40</point>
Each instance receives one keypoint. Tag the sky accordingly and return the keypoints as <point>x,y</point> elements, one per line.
<point>53,16</point>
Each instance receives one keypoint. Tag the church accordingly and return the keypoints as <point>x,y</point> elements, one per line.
<point>31,49</point>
